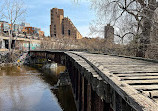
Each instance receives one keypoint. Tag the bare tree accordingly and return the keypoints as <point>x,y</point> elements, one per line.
<point>140,12</point>
<point>1,9</point>
<point>14,9</point>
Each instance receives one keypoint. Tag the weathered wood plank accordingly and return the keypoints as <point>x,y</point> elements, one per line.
<point>145,87</point>
<point>151,94</point>
<point>141,82</point>
<point>136,74</point>
<point>145,77</point>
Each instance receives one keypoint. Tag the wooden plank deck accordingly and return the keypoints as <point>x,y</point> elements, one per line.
<point>139,77</point>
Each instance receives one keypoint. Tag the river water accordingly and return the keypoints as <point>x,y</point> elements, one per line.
<point>27,89</point>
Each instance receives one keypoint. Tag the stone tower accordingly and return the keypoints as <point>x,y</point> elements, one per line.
<point>109,33</point>
<point>56,20</point>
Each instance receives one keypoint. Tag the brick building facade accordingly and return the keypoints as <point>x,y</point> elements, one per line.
<point>62,26</point>
<point>23,28</point>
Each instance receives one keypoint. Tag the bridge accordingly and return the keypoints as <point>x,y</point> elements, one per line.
<point>103,82</point>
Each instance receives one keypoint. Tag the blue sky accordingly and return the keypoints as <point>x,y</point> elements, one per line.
<point>38,13</point>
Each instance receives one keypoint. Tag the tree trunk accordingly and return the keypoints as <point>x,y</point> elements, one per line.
<point>10,44</point>
<point>10,40</point>
<point>144,42</point>
<point>144,38</point>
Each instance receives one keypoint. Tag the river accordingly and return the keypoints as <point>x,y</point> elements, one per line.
<point>28,89</point>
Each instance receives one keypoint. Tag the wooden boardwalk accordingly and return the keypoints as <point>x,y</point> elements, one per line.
<point>134,80</point>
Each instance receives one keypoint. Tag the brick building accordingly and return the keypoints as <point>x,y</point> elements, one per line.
<point>57,16</point>
<point>41,33</point>
<point>4,27</point>
<point>62,26</point>
<point>30,30</point>
<point>34,31</point>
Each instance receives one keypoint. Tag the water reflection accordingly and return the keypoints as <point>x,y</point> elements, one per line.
<point>24,89</point>
<point>65,97</point>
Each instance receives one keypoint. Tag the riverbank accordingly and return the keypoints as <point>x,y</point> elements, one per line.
<point>6,59</point>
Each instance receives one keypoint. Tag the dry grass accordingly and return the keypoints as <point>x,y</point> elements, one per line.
<point>97,45</point>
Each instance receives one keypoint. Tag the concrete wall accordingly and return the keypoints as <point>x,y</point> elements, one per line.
<point>21,43</point>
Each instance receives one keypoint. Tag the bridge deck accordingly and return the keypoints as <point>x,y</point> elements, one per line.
<point>135,80</point>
